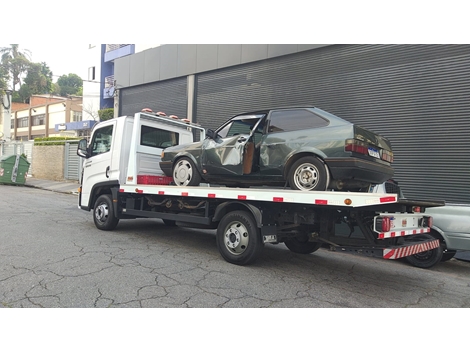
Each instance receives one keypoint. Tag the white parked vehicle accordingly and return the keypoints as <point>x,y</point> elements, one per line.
<point>451,224</point>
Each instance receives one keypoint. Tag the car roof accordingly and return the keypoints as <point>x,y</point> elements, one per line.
<point>265,111</point>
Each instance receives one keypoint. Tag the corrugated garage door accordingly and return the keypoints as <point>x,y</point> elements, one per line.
<point>72,165</point>
<point>416,95</point>
<point>168,96</point>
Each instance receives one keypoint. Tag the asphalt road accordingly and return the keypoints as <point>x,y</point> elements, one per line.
<point>51,255</point>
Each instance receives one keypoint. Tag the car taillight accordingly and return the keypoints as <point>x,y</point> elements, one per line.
<point>387,155</point>
<point>354,145</point>
<point>383,224</point>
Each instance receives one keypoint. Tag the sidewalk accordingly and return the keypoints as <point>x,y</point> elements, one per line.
<point>69,187</point>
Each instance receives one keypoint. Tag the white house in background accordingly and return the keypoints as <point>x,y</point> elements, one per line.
<point>99,89</point>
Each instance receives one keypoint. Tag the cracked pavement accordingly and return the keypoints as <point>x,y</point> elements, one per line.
<point>52,255</point>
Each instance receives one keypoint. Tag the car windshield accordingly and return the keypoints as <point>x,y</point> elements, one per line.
<point>239,125</point>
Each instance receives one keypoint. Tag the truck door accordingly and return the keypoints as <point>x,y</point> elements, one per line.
<point>97,167</point>
<point>227,153</point>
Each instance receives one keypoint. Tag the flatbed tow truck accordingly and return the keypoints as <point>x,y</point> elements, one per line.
<point>123,181</point>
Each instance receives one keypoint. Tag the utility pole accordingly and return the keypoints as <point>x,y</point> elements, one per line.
<point>5,115</point>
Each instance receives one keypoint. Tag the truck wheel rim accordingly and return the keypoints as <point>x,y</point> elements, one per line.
<point>236,238</point>
<point>306,177</point>
<point>101,212</point>
<point>183,173</point>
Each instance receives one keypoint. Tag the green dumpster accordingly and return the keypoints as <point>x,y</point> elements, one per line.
<point>13,169</point>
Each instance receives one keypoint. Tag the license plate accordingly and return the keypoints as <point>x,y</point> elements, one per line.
<point>374,152</point>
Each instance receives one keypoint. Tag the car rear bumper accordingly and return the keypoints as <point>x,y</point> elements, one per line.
<point>166,167</point>
<point>457,241</point>
<point>359,170</point>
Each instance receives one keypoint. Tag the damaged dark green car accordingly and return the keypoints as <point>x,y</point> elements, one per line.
<point>305,148</point>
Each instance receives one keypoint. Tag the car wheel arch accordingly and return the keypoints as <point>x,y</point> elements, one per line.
<point>294,157</point>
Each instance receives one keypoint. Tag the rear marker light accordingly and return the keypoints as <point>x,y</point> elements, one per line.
<point>184,194</point>
<point>139,190</point>
<point>321,202</point>
<point>242,197</point>
<point>278,199</point>
<point>211,195</point>
<point>384,225</point>
<point>387,199</point>
<point>161,192</point>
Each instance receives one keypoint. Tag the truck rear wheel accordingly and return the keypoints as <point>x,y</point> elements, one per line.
<point>238,238</point>
<point>103,213</point>
<point>426,259</point>
<point>302,245</point>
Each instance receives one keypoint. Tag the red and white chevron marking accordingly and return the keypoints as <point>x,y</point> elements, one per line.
<point>383,235</point>
<point>397,253</point>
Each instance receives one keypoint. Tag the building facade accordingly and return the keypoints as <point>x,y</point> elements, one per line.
<point>46,116</point>
<point>416,95</point>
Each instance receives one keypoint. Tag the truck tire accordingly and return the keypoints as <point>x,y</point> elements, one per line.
<point>426,259</point>
<point>302,245</point>
<point>103,213</point>
<point>238,238</point>
<point>185,173</point>
<point>308,174</point>
<point>171,223</point>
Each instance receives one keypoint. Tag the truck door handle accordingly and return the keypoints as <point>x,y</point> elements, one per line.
<point>107,170</point>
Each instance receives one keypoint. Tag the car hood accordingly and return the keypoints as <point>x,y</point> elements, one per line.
<point>182,147</point>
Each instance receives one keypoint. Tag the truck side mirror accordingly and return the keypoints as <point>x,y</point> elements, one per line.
<point>82,150</point>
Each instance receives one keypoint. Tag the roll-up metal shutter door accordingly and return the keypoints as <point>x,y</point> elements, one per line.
<point>418,96</point>
<point>72,165</point>
<point>168,96</point>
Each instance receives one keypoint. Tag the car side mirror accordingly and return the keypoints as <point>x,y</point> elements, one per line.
<point>82,150</point>
<point>211,134</point>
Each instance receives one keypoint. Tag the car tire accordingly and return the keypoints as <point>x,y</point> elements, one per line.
<point>308,174</point>
<point>185,173</point>
<point>448,255</point>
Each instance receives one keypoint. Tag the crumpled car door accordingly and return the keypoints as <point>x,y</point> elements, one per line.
<point>224,156</point>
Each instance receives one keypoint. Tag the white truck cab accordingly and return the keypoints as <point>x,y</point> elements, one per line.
<point>107,162</point>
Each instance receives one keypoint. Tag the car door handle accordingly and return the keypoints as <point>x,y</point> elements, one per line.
<point>241,139</point>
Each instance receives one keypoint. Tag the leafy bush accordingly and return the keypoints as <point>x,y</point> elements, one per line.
<point>106,114</point>
<point>54,140</point>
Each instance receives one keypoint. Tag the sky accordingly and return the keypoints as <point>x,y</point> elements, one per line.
<point>62,59</point>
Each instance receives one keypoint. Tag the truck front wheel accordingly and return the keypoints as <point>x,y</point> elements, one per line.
<point>238,238</point>
<point>103,213</point>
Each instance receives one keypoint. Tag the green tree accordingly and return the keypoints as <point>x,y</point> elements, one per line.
<point>3,80</point>
<point>39,78</point>
<point>16,62</point>
<point>70,84</point>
